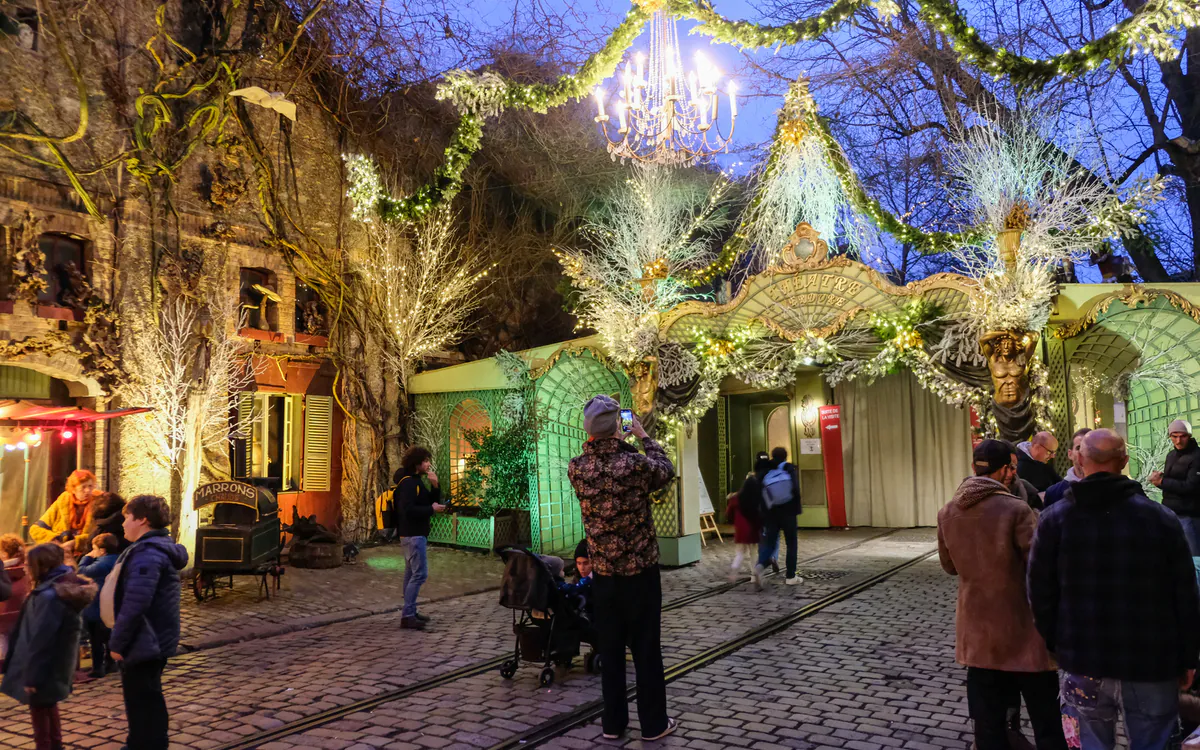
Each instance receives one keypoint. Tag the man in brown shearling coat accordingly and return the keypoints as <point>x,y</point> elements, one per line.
<point>984,535</point>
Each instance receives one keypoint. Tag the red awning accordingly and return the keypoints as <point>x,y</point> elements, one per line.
<point>25,411</point>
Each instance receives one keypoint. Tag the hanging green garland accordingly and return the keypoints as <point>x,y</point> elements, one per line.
<point>749,35</point>
<point>447,180</point>
<point>1147,30</point>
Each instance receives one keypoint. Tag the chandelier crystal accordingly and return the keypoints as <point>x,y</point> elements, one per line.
<point>662,115</point>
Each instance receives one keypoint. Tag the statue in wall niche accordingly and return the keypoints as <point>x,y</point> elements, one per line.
<point>1008,355</point>
<point>74,290</point>
<point>644,377</point>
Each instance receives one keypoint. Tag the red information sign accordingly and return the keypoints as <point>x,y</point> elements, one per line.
<point>831,452</point>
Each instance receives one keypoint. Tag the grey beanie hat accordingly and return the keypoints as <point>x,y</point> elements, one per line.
<point>601,416</point>
<point>1179,425</point>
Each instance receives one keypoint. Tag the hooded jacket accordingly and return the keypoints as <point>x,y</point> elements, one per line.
<point>10,608</point>
<point>984,535</point>
<point>44,644</point>
<point>1112,584</point>
<point>1181,480</point>
<point>1040,475</point>
<point>146,604</point>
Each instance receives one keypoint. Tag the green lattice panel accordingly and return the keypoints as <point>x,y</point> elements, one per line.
<point>440,408</point>
<point>722,448</point>
<point>441,529</point>
<point>475,532</point>
<point>561,394</point>
<point>666,513</point>
<point>1060,397</point>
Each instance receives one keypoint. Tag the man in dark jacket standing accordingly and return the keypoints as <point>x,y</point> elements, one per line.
<point>613,482</point>
<point>1074,474</point>
<point>1180,482</point>
<point>984,535</point>
<point>416,500</point>
<point>779,518</point>
<point>1033,461</point>
<point>145,629</point>
<point>1113,593</point>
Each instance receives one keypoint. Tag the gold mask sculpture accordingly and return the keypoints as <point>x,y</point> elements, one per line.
<point>1008,355</point>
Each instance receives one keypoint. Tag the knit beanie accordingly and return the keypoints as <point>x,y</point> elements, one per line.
<point>601,416</point>
<point>1179,425</point>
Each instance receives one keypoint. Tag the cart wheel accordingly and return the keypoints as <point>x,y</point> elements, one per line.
<point>546,678</point>
<point>198,586</point>
<point>508,669</point>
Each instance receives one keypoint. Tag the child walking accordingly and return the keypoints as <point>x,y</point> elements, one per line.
<point>747,528</point>
<point>44,645</point>
<point>97,566</point>
<point>12,554</point>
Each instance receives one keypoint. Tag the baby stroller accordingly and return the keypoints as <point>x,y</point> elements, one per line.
<point>546,623</point>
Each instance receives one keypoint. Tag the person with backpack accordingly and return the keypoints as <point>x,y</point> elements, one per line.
<point>385,510</point>
<point>39,669</point>
<point>418,496</point>
<point>780,488</point>
<point>747,528</point>
<point>140,602</point>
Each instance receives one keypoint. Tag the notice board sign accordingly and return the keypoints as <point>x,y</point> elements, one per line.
<point>831,454</point>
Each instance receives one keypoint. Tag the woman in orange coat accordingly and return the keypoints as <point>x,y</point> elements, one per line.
<point>70,514</point>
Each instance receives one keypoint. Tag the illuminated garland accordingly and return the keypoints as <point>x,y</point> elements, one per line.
<point>749,35</point>
<point>447,180</point>
<point>1148,30</point>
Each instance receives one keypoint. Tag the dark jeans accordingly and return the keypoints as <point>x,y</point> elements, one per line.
<point>145,707</point>
<point>775,522</point>
<point>990,693</point>
<point>98,636</point>
<point>47,731</point>
<point>629,611</point>
<point>1091,705</point>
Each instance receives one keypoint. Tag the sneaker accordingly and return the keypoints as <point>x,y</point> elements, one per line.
<point>672,725</point>
<point>794,581</point>
<point>421,617</point>
<point>614,735</point>
<point>758,578</point>
<point>411,623</point>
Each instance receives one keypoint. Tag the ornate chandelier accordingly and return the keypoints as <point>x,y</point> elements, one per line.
<point>663,116</point>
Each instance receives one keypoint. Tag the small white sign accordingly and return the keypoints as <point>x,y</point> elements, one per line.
<point>810,446</point>
<point>1119,412</point>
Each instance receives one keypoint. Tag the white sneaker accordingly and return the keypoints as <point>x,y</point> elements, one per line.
<point>794,581</point>
<point>758,578</point>
<point>1193,740</point>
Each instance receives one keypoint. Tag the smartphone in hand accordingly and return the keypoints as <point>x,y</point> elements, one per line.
<point>626,420</point>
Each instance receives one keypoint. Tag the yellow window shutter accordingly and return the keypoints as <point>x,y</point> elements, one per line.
<point>289,403</point>
<point>243,435</point>
<point>318,442</point>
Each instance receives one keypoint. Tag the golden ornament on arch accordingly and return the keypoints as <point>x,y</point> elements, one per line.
<point>651,6</point>
<point>793,131</point>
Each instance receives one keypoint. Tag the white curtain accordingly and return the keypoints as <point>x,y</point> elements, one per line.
<point>12,481</point>
<point>904,452</point>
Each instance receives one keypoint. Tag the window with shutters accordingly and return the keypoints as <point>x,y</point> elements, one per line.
<point>318,443</point>
<point>267,438</point>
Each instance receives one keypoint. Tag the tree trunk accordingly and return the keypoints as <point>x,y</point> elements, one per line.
<point>1140,247</point>
<point>176,499</point>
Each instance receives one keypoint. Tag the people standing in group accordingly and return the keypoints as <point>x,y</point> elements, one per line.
<point>747,529</point>
<point>780,490</point>
<point>140,602</point>
<point>96,566</point>
<point>70,514</point>
<point>984,537</point>
<point>1180,481</point>
<point>417,498</point>
<point>1056,491</point>
<point>1114,595</point>
<point>1033,461</point>
<point>12,555</point>
<point>613,482</point>
<point>39,669</point>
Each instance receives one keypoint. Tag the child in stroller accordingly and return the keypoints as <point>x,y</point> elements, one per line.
<point>549,620</point>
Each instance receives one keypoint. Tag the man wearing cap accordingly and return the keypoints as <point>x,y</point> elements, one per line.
<point>613,482</point>
<point>1180,482</point>
<point>984,535</point>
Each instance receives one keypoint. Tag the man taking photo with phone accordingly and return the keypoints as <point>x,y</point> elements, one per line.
<point>613,482</point>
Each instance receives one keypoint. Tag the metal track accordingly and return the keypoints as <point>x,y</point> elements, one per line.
<point>339,712</point>
<point>590,711</point>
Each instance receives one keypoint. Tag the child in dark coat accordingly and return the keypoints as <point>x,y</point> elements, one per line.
<point>12,554</point>
<point>44,646</point>
<point>97,566</point>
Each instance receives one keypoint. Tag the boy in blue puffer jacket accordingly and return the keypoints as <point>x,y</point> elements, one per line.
<point>145,611</point>
<point>97,566</point>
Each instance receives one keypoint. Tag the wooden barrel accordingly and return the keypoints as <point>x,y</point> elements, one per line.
<point>315,554</point>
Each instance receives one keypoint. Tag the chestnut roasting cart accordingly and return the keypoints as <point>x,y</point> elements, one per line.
<point>238,534</point>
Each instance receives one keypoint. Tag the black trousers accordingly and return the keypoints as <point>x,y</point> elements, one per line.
<point>990,694</point>
<point>629,611</point>
<point>145,707</point>
<point>98,635</point>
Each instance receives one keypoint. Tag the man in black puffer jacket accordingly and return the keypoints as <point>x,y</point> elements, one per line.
<point>145,631</point>
<point>1180,482</point>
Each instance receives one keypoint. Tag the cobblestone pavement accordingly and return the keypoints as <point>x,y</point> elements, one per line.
<point>876,670</point>
<point>307,598</point>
